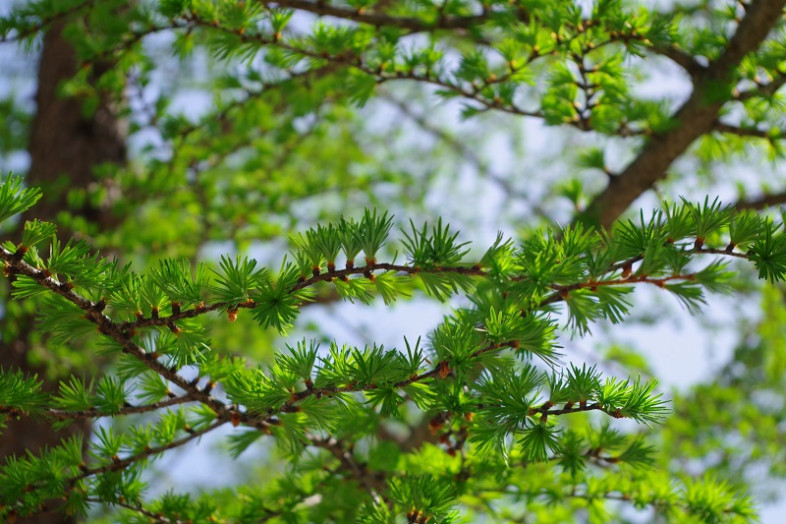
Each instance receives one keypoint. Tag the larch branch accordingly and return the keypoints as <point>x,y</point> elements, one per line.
<point>696,117</point>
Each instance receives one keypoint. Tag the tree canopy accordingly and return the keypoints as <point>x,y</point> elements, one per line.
<point>204,172</point>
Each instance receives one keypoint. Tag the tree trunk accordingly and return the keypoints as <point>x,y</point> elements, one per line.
<point>65,147</point>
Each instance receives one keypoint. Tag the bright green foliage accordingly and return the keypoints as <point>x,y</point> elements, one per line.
<point>20,394</point>
<point>475,380</point>
<point>486,419</point>
<point>14,198</point>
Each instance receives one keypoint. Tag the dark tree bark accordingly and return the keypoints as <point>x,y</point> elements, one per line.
<point>65,147</point>
<point>63,142</point>
<point>696,117</point>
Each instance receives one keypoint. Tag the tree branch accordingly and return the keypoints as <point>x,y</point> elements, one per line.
<point>63,414</point>
<point>696,117</point>
<point>327,276</point>
<point>381,75</point>
<point>548,409</point>
<point>120,332</point>
<point>94,313</point>
<point>411,24</point>
<point>45,22</point>
<point>117,465</point>
<point>120,464</point>
<point>682,59</point>
<point>373,485</point>
<point>763,90</point>
<point>762,202</point>
<point>656,502</point>
<point>154,517</point>
<point>729,129</point>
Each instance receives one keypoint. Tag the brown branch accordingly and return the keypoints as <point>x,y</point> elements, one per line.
<point>120,332</point>
<point>762,202</point>
<point>155,517</point>
<point>656,502</point>
<point>676,55</point>
<point>474,270</point>
<point>441,369</point>
<point>94,313</point>
<point>120,464</point>
<point>327,276</point>
<point>380,74</point>
<point>471,91</point>
<point>548,409</point>
<point>763,90</point>
<point>696,117</point>
<point>729,129</point>
<point>373,483</point>
<point>159,518</point>
<point>562,292</point>
<point>47,21</point>
<point>117,465</point>
<point>411,24</point>
<point>682,59</point>
<point>593,455</point>
<point>63,414</point>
